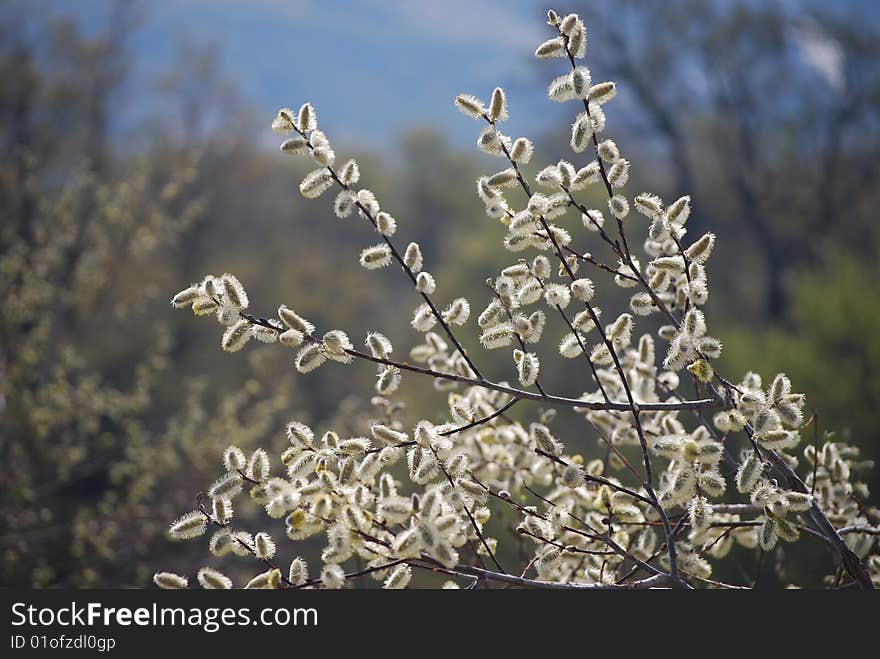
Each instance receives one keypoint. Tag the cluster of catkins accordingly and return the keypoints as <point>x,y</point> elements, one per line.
<point>413,495</point>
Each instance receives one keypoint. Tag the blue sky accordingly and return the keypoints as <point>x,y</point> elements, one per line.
<point>371,68</point>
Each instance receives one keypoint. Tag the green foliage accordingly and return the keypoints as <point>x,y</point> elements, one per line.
<point>829,344</point>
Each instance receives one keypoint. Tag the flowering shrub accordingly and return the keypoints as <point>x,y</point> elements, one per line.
<point>716,469</point>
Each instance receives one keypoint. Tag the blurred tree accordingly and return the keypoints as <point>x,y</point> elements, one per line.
<point>832,349</point>
<point>92,423</point>
<point>85,442</point>
<point>771,112</point>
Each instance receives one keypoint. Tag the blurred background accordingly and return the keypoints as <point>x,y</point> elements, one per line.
<point>138,158</point>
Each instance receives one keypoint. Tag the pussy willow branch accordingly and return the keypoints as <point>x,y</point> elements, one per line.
<point>648,482</point>
<point>815,515</point>
<point>574,550</point>
<point>656,581</point>
<point>519,339</point>
<point>851,562</point>
<point>588,477</point>
<point>366,213</point>
<point>627,259</point>
<point>624,253</point>
<point>613,449</point>
<point>820,521</point>
<point>266,323</point>
<point>503,388</point>
<point>210,519</point>
<point>586,258</point>
<point>604,537</point>
<point>591,535</point>
<point>527,189</point>
<point>467,571</point>
<point>632,407</point>
<point>859,528</point>
<point>485,419</point>
<point>473,522</point>
<point>482,382</point>
<point>597,479</point>
<point>351,575</point>
<point>581,345</point>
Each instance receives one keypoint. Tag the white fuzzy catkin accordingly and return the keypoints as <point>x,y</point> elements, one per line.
<point>170,581</point>
<point>527,367</point>
<point>603,92</point>
<point>619,206</point>
<point>269,579</point>
<point>504,179</point>
<point>423,318</point>
<point>571,346</point>
<point>399,578</point>
<point>618,173</point>
<point>499,336</point>
<point>458,312</point>
<point>375,257</point>
<point>234,459</point>
<point>549,177</point>
<point>283,122</point>
<point>226,487</point>
<point>307,119</point>
<point>551,48</point>
<point>580,82</point>
<point>344,204</point>
<point>332,576</point>
<point>585,176</point>
<point>295,146</point>
<point>522,150</point>
<point>309,358</point>
<point>378,345</point>
<point>214,579</point>
<point>316,183</point>
<point>573,476</point>
<point>491,141</point>
<point>350,174</point>
<point>470,105</point>
<point>336,345</point>
<point>583,289</point>
<point>649,205</point>
<point>581,132</point>
<point>577,40</point>
<point>678,211</point>
<point>186,297</point>
<point>188,526</point>
<point>561,89</point>
<point>264,546</point>
<point>608,151</point>
<point>498,105</point>
<point>232,292</point>
<point>324,156</point>
<point>413,257</point>
<point>557,295</point>
<point>425,283</point>
<point>385,224</point>
<point>701,250</point>
<point>368,202</point>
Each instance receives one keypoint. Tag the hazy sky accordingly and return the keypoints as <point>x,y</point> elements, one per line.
<point>370,67</point>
